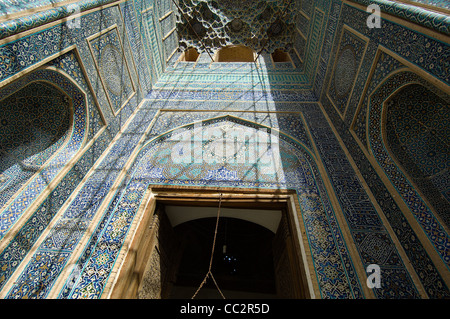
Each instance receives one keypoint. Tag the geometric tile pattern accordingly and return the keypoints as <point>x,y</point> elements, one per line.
<point>63,239</point>
<point>415,251</point>
<point>384,66</point>
<point>24,53</point>
<point>435,231</point>
<point>332,26</point>
<point>376,248</point>
<point>75,136</point>
<point>437,3</point>
<point>27,51</point>
<point>243,75</point>
<point>18,245</point>
<point>14,203</point>
<point>136,40</point>
<point>314,42</point>
<point>71,65</point>
<point>362,218</point>
<point>32,19</point>
<point>417,120</point>
<point>151,36</point>
<point>113,68</point>
<point>34,123</point>
<point>230,96</point>
<point>79,210</point>
<point>430,18</point>
<point>39,266</point>
<point>12,6</point>
<point>424,51</point>
<point>31,120</point>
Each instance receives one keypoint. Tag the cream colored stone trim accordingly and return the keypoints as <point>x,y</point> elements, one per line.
<point>96,35</point>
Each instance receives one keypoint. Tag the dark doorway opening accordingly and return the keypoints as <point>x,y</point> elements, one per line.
<point>243,261</point>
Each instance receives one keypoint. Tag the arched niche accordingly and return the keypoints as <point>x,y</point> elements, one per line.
<point>234,53</point>
<point>32,120</point>
<point>425,203</point>
<point>416,135</point>
<point>43,123</point>
<point>230,151</point>
<point>189,159</point>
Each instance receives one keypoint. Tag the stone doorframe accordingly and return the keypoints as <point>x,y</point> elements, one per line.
<point>298,279</point>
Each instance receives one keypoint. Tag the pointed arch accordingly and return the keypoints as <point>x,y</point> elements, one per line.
<point>418,208</point>
<point>53,158</point>
<point>154,167</point>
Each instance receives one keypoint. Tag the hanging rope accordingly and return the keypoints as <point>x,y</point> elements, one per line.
<point>209,273</point>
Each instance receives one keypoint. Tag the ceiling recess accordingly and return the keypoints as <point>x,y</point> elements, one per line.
<point>258,24</point>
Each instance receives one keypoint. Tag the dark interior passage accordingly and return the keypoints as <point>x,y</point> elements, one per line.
<point>243,259</point>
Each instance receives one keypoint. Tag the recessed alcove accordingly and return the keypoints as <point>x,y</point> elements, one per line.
<point>256,249</point>
<point>189,55</point>
<point>234,53</point>
<point>32,119</point>
<point>416,134</point>
<point>280,56</point>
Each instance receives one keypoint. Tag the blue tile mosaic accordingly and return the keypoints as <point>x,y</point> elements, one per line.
<point>20,202</point>
<point>103,249</point>
<point>421,211</point>
<point>384,65</point>
<point>429,18</point>
<point>129,120</point>
<point>113,68</point>
<point>348,61</point>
